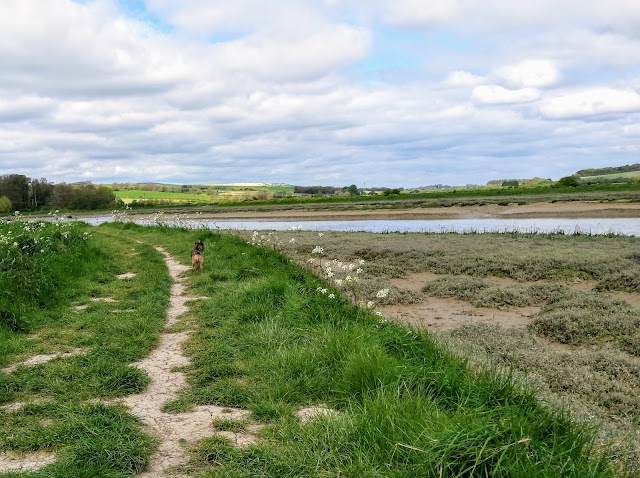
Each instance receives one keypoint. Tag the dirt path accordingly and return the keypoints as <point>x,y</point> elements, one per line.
<point>175,430</point>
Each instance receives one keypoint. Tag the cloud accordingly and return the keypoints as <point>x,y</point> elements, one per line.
<point>632,129</point>
<point>530,74</point>
<point>312,55</point>
<point>492,15</point>
<point>590,102</point>
<point>418,13</point>
<point>495,94</point>
<point>205,90</point>
<point>462,78</point>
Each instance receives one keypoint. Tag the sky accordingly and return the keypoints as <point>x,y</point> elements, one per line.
<point>396,93</point>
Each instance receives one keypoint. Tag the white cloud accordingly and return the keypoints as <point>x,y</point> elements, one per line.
<point>495,94</point>
<point>530,74</point>
<point>312,55</point>
<point>462,78</point>
<point>420,13</point>
<point>490,15</point>
<point>632,129</point>
<point>592,101</point>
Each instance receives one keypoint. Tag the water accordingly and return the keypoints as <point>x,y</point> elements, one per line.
<point>622,226</point>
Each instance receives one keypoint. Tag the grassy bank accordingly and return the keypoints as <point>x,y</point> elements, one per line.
<point>399,405</point>
<point>61,296</point>
<point>580,348</point>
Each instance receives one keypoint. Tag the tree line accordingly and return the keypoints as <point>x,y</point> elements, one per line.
<point>21,193</point>
<point>327,190</point>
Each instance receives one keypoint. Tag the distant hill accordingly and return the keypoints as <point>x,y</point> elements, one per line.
<point>607,171</point>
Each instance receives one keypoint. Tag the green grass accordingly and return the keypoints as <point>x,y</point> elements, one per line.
<point>267,341</point>
<point>130,195</point>
<point>62,414</point>
<point>630,174</point>
<point>225,194</point>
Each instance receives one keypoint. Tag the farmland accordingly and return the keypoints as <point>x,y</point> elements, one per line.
<point>168,195</point>
<point>311,385</point>
<point>626,175</point>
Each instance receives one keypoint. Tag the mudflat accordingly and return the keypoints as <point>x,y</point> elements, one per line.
<point>573,209</point>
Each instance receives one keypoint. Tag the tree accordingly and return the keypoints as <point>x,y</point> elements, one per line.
<point>16,188</point>
<point>5,204</point>
<point>391,192</point>
<point>353,190</point>
<point>510,184</point>
<point>40,191</point>
<point>569,181</point>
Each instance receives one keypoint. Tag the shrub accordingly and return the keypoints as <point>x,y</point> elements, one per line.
<point>5,204</point>
<point>35,259</point>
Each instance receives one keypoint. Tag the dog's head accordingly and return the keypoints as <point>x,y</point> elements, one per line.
<point>199,246</point>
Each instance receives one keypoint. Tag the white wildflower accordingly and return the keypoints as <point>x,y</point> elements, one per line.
<point>317,250</point>
<point>331,296</point>
<point>382,293</point>
<point>292,241</point>
<point>370,304</point>
<point>337,282</point>
<point>359,270</point>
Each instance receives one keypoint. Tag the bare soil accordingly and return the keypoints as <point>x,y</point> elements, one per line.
<point>446,314</point>
<point>24,463</point>
<point>439,314</point>
<point>40,359</point>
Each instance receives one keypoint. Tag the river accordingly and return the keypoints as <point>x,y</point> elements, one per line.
<point>621,226</point>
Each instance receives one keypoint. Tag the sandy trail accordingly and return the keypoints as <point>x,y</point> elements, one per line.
<point>176,429</point>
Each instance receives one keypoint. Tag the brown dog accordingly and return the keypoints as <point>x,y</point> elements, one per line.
<point>196,256</point>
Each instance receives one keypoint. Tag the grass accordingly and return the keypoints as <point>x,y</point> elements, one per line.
<point>223,194</point>
<point>63,413</point>
<point>129,195</point>
<point>266,340</point>
<point>630,174</point>
<point>594,376</point>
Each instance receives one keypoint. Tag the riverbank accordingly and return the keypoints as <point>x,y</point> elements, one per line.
<point>487,211</point>
<point>356,212</point>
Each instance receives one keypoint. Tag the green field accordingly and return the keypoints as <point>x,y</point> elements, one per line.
<point>630,174</point>
<point>136,194</point>
<point>223,193</point>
